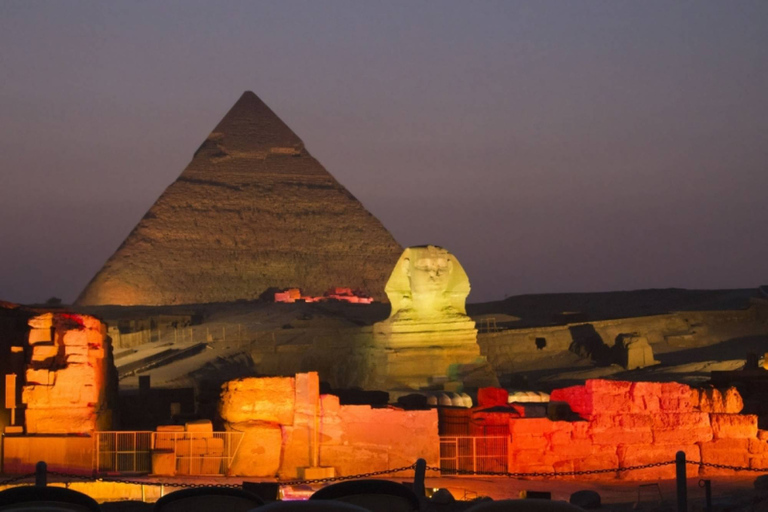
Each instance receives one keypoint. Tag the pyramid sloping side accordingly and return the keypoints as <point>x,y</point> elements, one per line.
<point>236,223</point>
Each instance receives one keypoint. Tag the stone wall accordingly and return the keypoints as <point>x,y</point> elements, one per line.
<point>288,425</point>
<point>629,424</point>
<point>508,350</point>
<point>70,377</point>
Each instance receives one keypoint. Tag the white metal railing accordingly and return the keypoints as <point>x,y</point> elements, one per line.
<point>123,452</point>
<point>199,453</point>
<point>193,453</point>
<point>474,453</point>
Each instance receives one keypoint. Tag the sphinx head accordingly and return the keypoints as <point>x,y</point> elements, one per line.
<point>427,282</point>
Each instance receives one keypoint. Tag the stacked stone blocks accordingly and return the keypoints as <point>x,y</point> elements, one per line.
<point>628,424</point>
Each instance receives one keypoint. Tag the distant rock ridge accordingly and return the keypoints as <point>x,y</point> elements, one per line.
<point>252,211</point>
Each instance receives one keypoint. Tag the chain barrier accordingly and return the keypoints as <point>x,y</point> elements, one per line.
<point>547,473</point>
<point>442,471</point>
<point>349,477</point>
<point>15,479</point>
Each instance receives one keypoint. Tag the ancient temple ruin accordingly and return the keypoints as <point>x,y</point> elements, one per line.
<point>253,211</point>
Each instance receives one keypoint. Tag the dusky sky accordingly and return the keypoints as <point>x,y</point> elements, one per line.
<point>552,146</point>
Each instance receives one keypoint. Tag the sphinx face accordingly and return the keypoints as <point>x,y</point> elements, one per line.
<point>429,274</point>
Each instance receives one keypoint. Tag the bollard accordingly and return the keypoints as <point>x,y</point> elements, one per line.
<point>41,474</point>
<point>707,485</point>
<point>682,489</point>
<point>418,478</point>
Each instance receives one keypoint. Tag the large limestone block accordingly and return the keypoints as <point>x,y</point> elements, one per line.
<point>44,321</point>
<point>714,400</point>
<point>681,428</point>
<point>734,426</point>
<point>354,459</point>
<point>297,450</point>
<point>645,396</point>
<point>260,450</point>
<point>728,452</point>
<point>44,335</point>
<point>406,435</point>
<point>601,458</point>
<point>307,397</point>
<point>68,420</point>
<point>266,399</point>
<point>642,454</point>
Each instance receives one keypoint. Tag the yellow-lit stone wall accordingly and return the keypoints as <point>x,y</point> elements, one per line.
<point>319,431</point>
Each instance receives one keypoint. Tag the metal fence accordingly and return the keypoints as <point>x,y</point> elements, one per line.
<point>180,453</point>
<point>123,452</point>
<point>474,453</point>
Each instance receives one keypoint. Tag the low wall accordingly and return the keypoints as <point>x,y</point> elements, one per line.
<point>288,425</point>
<point>67,454</point>
<point>629,424</point>
<point>507,350</point>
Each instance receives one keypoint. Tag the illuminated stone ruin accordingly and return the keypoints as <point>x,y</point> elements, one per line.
<point>67,388</point>
<point>339,294</point>
<point>635,423</point>
<point>428,338</point>
<point>291,430</point>
<point>253,211</point>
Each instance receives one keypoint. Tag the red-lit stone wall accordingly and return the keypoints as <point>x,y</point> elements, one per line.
<point>635,423</point>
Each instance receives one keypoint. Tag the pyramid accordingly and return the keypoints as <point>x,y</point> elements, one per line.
<point>252,211</point>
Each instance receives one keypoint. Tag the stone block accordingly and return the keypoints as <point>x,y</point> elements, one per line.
<point>44,354</point>
<point>617,436</point>
<point>757,446</point>
<point>492,397</point>
<point>42,377</point>
<point>675,397</point>
<point>645,396</point>
<point>307,398</point>
<point>640,455</point>
<point>260,451</point>
<point>329,404</point>
<point>199,429</point>
<point>734,426</point>
<point>44,335</point>
<point>266,399</point>
<point>730,452</point>
<point>44,321</point>
<point>67,454</point>
<point>163,463</point>
<point>297,450</point>
<point>355,459</point>
<point>681,428</point>
<point>535,426</point>
<point>714,400</point>
<point>575,449</point>
<point>68,420</point>
<point>529,442</point>
<point>532,457</point>
<point>629,421</point>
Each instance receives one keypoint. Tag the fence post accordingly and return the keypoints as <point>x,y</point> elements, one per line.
<point>682,489</point>
<point>41,474</point>
<point>707,485</point>
<point>418,478</point>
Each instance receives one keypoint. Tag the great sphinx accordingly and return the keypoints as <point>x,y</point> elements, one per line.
<point>428,339</point>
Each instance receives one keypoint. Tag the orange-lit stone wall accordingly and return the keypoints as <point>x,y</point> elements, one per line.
<point>66,383</point>
<point>288,425</point>
<point>634,423</point>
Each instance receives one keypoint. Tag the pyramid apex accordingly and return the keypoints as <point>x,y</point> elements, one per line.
<point>251,127</point>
